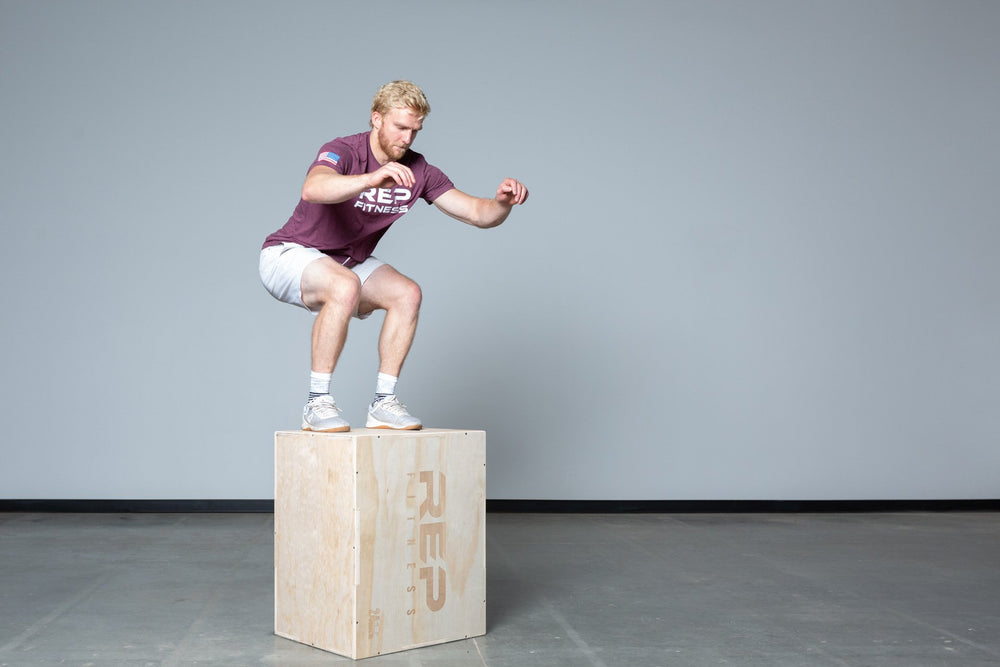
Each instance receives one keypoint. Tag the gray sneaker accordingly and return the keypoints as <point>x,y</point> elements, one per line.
<point>390,413</point>
<point>322,414</point>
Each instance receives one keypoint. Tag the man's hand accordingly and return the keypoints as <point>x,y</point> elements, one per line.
<point>511,192</point>
<point>393,172</point>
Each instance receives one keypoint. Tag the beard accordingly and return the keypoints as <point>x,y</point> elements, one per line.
<point>394,152</point>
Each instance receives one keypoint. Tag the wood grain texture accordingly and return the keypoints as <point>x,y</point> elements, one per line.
<point>380,538</point>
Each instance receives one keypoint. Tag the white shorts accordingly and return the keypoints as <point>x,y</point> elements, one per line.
<point>281,268</point>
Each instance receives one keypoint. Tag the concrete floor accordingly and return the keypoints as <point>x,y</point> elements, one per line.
<point>907,589</point>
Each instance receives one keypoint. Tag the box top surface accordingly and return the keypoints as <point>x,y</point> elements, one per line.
<point>382,431</point>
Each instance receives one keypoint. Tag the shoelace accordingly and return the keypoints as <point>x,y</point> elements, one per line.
<point>324,407</point>
<point>392,405</point>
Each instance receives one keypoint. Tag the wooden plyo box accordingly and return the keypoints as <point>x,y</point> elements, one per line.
<point>379,538</point>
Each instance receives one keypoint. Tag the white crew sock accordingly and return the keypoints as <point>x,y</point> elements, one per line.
<point>319,384</point>
<point>386,385</point>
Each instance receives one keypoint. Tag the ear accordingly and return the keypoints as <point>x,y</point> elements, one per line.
<point>376,120</point>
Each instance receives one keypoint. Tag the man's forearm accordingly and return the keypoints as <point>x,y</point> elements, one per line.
<point>333,188</point>
<point>490,213</point>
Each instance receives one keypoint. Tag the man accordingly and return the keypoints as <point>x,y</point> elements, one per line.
<point>321,259</point>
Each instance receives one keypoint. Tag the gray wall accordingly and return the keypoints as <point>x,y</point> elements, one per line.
<point>759,260</point>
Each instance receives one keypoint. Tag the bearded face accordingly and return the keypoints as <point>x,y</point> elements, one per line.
<point>395,131</point>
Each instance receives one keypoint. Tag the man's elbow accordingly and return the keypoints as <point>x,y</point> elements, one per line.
<point>310,193</point>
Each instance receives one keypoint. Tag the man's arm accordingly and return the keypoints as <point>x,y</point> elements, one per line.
<point>323,185</point>
<point>481,212</point>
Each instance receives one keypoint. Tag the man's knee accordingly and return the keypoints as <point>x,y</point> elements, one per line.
<point>404,297</point>
<point>343,290</point>
<point>331,285</point>
<point>411,295</point>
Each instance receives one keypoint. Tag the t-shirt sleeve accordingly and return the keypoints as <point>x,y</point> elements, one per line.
<point>436,184</point>
<point>336,155</point>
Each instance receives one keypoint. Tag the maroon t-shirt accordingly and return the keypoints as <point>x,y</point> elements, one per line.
<point>350,230</point>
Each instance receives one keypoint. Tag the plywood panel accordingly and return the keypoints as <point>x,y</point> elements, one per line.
<point>398,546</point>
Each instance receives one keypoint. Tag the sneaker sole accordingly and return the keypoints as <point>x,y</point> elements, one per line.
<point>336,429</point>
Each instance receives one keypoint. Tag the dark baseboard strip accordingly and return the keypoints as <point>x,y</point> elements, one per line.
<point>740,506</point>
<point>112,506</point>
<point>536,506</point>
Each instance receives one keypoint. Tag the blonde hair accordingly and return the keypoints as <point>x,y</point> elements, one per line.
<point>401,95</point>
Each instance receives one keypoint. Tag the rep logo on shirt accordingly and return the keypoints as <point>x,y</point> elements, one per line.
<point>384,200</point>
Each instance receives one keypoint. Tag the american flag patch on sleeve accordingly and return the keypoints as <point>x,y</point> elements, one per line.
<point>332,158</point>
